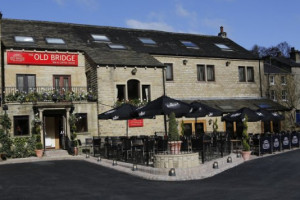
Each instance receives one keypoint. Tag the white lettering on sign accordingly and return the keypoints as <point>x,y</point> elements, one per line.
<point>173,105</point>
<point>40,56</point>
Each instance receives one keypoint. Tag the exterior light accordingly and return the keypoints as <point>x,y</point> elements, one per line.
<point>99,159</point>
<point>87,155</point>
<point>228,63</point>
<point>134,167</point>
<point>229,159</point>
<point>238,155</point>
<point>172,172</point>
<point>114,163</point>
<point>184,62</point>
<point>133,72</point>
<point>216,165</point>
<point>5,107</point>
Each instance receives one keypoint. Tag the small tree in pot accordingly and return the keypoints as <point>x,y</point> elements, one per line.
<point>245,140</point>
<point>73,128</point>
<point>174,139</point>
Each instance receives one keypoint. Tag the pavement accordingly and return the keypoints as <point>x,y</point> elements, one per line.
<point>148,172</point>
<point>267,177</point>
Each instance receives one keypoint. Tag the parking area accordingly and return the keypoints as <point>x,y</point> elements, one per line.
<point>271,177</point>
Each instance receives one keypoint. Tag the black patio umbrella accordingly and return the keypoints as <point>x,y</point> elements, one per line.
<point>123,112</point>
<point>270,116</point>
<point>202,110</point>
<point>164,105</point>
<point>239,115</point>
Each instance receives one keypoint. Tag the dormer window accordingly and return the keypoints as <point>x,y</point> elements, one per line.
<point>189,44</point>
<point>100,38</point>
<point>117,46</point>
<point>55,41</point>
<point>147,41</point>
<point>24,39</point>
<point>224,47</point>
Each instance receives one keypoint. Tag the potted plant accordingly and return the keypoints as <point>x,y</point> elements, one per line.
<point>73,128</point>
<point>174,141</point>
<point>39,149</point>
<point>245,140</point>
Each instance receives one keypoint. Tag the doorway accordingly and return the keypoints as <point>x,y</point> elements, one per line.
<point>55,131</point>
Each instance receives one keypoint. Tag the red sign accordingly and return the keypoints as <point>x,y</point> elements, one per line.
<point>136,123</point>
<point>42,58</point>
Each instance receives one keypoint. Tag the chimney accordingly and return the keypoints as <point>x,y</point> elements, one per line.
<point>222,33</point>
<point>0,15</point>
<point>295,55</point>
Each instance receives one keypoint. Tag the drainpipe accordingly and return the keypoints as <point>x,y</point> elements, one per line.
<point>1,61</point>
<point>164,88</point>
<point>260,84</point>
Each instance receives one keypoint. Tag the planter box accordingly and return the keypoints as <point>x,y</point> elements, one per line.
<point>176,160</point>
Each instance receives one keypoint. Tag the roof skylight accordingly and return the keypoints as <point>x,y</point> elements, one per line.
<point>117,46</point>
<point>24,39</point>
<point>101,38</point>
<point>147,40</point>
<point>189,44</point>
<point>224,47</point>
<point>55,41</point>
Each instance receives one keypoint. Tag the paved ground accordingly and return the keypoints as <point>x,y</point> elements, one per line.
<point>272,177</point>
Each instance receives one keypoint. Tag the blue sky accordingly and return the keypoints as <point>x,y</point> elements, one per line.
<point>247,22</point>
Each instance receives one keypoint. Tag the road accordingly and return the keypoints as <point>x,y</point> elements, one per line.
<point>271,177</point>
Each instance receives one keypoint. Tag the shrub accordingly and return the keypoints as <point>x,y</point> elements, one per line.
<point>5,143</point>
<point>23,147</point>
<point>245,142</point>
<point>173,128</point>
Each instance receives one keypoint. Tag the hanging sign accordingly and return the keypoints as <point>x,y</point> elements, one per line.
<point>42,58</point>
<point>136,123</point>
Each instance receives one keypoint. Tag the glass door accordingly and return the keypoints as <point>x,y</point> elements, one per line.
<point>62,83</point>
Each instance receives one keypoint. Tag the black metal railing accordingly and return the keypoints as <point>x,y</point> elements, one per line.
<point>46,93</point>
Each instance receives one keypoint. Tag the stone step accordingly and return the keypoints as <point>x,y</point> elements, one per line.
<point>56,153</point>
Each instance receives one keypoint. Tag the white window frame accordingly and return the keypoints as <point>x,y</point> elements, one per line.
<point>272,80</point>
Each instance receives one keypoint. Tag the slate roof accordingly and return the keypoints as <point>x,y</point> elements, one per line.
<point>231,105</point>
<point>273,69</point>
<point>78,38</point>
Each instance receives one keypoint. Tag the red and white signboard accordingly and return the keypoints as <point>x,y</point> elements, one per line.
<point>42,58</point>
<point>136,123</point>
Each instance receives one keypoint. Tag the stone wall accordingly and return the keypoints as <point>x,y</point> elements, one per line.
<point>176,161</point>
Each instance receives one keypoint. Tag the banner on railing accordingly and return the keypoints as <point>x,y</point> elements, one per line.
<point>265,145</point>
<point>42,58</point>
<point>295,139</point>
<point>276,143</point>
<point>285,139</point>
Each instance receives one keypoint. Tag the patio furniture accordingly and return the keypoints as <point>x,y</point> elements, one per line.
<point>96,145</point>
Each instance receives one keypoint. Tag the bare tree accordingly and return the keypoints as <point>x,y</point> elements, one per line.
<point>282,48</point>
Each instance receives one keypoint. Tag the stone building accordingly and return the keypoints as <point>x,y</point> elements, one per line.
<point>52,70</point>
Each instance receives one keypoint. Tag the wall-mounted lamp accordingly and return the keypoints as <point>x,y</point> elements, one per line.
<point>172,172</point>
<point>215,165</point>
<point>184,62</point>
<point>228,63</point>
<point>133,72</point>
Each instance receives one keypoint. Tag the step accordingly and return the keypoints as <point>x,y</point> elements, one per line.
<point>56,153</point>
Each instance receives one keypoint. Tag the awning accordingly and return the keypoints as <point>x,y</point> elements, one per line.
<point>231,105</point>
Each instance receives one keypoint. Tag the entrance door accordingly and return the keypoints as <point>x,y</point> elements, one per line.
<point>199,128</point>
<point>188,131</point>
<point>62,82</point>
<point>53,132</point>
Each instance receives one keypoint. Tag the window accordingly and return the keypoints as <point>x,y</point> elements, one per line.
<point>200,72</point>
<point>246,75</point>
<point>146,93</point>
<point>81,123</point>
<point>116,46</point>
<point>283,95</point>
<point>24,39</point>
<point>206,73</point>
<point>298,117</point>
<point>100,38</point>
<point>283,80</point>
<point>210,72</point>
<point>242,74</point>
<point>189,44</point>
<point>62,82</point>
<point>121,92</point>
<point>273,95</point>
<point>26,82</point>
<point>169,72</point>
<point>21,125</point>
<point>133,87</point>
<point>250,74</point>
<point>55,41</point>
<point>148,41</point>
<point>272,80</point>
<point>224,47</point>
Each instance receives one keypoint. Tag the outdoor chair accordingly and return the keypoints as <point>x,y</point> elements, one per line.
<point>96,145</point>
<point>87,148</point>
<point>126,149</point>
<point>138,149</point>
<point>149,149</point>
<point>161,145</point>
